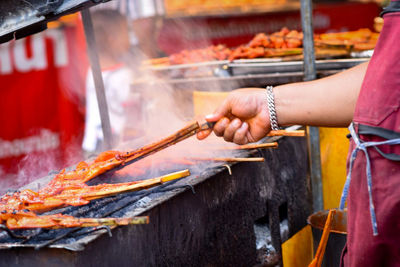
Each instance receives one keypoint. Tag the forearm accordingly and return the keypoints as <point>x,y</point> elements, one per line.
<point>325,102</point>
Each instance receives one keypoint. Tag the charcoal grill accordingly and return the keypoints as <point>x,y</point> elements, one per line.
<point>205,219</point>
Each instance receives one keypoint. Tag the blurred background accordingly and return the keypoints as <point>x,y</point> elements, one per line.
<point>157,58</point>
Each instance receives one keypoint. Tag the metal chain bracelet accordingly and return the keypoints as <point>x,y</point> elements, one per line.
<point>271,108</point>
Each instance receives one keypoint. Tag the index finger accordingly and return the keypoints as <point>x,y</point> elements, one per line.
<point>203,134</point>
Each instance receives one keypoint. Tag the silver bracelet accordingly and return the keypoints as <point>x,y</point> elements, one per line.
<point>271,108</point>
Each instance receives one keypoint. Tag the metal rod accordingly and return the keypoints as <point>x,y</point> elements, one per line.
<point>308,40</point>
<point>97,78</point>
<point>315,168</point>
<point>310,74</point>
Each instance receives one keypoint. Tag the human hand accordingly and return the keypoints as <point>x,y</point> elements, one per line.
<point>242,118</point>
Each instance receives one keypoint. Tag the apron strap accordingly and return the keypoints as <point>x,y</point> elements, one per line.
<point>363,146</point>
<point>381,132</point>
<point>378,131</point>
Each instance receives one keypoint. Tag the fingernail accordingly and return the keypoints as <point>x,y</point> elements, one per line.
<point>244,125</point>
<point>224,121</point>
<point>209,116</point>
<point>237,122</point>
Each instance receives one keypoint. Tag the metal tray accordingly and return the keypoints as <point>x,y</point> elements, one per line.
<point>247,68</point>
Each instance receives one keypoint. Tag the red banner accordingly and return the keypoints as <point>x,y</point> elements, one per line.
<point>42,85</point>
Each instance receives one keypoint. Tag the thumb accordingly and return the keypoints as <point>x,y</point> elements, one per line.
<point>220,112</point>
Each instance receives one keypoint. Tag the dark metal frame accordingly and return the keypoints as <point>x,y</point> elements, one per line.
<point>20,18</point>
<point>310,74</point>
<point>97,78</point>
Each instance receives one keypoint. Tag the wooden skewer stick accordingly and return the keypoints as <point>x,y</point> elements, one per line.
<point>180,135</point>
<point>138,186</point>
<point>125,158</point>
<point>58,221</point>
<point>80,196</point>
<point>252,146</point>
<point>91,222</point>
<point>229,159</point>
<point>287,133</point>
<point>210,125</point>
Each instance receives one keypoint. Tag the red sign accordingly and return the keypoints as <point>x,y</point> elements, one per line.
<point>42,85</point>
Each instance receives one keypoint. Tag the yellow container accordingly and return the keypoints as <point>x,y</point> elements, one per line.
<point>298,250</point>
<point>205,103</point>
<point>334,149</point>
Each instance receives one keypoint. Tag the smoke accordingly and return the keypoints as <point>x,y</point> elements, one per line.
<point>161,105</point>
<point>155,107</point>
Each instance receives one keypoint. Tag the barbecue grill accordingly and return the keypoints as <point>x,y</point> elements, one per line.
<point>195,221</point>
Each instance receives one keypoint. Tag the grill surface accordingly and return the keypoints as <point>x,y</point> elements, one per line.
<point>212,227</point>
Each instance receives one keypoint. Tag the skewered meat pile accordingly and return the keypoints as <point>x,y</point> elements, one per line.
<point>69,188</point>
<point>278,44</point>
<point>210,53</point>
<point>214,52</point>
<point>360,40</point>
<point>17,210</point>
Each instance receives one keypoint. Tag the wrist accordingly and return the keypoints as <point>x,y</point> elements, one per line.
<point>284,105</point>
<point>271,108</point>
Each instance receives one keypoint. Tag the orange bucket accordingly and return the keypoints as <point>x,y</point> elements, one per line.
<point>337,237</point>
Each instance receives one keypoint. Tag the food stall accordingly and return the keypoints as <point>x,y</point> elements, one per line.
<point>203,218</point>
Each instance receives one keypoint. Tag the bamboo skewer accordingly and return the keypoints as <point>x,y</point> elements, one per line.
<point>191,129</point>
<point>92,222</point>
<point>138,186</point>
<point>57,221</point>
<point>187,132</point>
<point>121,159</point>
<point>180,135</point>
<point>252,146</point>
<point>82,195</point>
<point>210,125</point>
<point>229,159</point>
<point>287,133</point>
